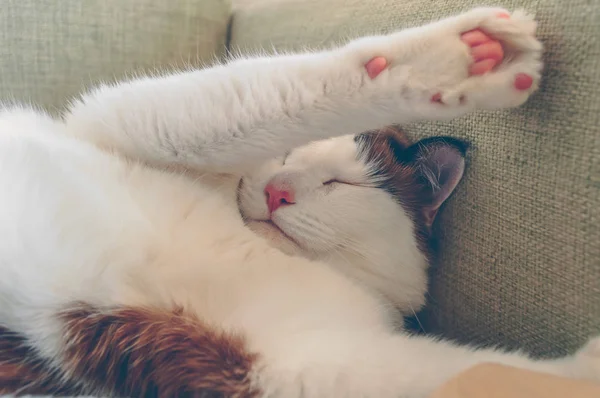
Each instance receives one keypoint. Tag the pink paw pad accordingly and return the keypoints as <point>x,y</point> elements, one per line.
<point>437,98</point>
<point>375,66</point>
<point>486,51</point>
<point>523,81</point>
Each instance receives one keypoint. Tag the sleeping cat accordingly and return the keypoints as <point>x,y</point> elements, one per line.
<point>233,232</point>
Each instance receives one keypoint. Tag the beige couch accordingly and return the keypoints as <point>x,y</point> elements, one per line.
<point>520,241</point>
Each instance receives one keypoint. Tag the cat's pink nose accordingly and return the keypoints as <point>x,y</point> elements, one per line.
<point>278,197</point>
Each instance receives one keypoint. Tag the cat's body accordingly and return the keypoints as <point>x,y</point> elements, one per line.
<point>127,267</point>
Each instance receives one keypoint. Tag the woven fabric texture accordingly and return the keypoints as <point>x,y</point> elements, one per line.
<point>51,49</point>
<point>520,240</point>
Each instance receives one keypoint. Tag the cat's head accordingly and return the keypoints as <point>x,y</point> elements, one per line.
<point>364,204</point>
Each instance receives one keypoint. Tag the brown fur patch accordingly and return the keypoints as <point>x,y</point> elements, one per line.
<point>23,372</point>
<point>138,352</point>
<point>133,352</point>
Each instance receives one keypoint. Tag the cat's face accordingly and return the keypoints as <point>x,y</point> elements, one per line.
<point>364,204</point>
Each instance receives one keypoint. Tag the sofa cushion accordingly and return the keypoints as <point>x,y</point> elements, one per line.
<point>50,49</point>
<point>520,240</point>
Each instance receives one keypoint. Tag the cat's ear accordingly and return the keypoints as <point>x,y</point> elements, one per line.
<point>440,165</point>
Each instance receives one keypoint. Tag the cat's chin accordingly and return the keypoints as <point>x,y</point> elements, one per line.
<point>275,236</point>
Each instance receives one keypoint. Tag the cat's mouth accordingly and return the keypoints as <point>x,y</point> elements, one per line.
<point>269,230</point>
<point>273,224</point>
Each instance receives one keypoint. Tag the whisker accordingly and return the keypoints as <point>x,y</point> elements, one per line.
<point>417,318</point>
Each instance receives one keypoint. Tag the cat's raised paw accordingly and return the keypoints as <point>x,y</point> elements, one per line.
<point>486,58</point>
<point>505,65</point>
<point>487,52</point>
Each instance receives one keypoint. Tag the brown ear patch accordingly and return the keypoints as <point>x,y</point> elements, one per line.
<point>136,352</point>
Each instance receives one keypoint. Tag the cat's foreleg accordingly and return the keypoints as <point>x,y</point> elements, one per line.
<point>393,366</point>
<point>234,116</point>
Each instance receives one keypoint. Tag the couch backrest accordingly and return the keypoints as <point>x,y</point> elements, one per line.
<point>51,49</point>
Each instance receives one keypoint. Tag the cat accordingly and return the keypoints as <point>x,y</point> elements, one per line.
<point>234,231</point>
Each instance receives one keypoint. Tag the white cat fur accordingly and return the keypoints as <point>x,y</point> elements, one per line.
<point>92,211</point>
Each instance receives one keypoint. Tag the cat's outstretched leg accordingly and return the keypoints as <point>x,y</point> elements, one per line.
<point>393,366</point>
<point>234,116</point>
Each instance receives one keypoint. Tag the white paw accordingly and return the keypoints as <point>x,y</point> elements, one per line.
<point>522,59</point>
<point>587,360</point>
<point>430,66</point>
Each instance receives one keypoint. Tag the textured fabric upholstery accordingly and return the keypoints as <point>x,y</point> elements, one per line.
<point>50,49</point>
<point>520,240</point>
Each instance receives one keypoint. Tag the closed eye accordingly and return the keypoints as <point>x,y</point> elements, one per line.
<point>354,184</point>
<point>334,181</point>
